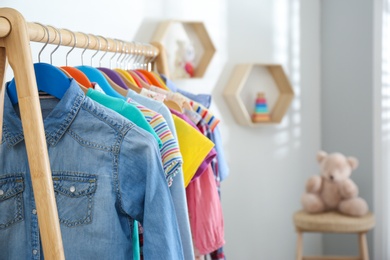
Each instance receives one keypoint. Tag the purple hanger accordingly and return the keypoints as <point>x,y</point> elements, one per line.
<point>113,75</point>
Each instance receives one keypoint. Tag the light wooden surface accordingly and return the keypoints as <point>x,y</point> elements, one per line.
<point>15,36</point>
<point>3,68</point>
<point>333,222</point>
<point>237,82</point>
<point>331,258</point>
<point>37,33</point>
<point>18,52</point>
<point>161,61</point>
<point>363,247</point>
<point>199,30</point>
<point>299,253</point>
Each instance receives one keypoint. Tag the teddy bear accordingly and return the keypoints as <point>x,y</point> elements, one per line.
<point>333,189</point>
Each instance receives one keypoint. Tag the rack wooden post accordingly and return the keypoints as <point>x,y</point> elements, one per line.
<point>16,44</point>
<point>15,36</point>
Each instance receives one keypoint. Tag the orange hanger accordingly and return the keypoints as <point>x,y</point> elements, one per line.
<point>78,76</point>
<point>151,77</point>
<point>83,88</point>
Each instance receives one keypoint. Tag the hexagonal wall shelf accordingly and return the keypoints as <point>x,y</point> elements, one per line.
<point>197,33</point>
<point>238,81</point>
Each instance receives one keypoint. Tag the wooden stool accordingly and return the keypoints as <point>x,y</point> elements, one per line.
<point>333,222</point>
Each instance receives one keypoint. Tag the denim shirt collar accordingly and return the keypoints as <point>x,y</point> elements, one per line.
<point>55,124</point>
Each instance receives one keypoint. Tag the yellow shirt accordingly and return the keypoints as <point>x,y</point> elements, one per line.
<point>194,147</point>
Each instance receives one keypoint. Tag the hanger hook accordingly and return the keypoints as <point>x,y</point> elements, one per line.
<point>48,39</point>
<point>120,55</point>
<point>108,48</point>
<point>145,56</point>
<point>74,45</point>
<point>139,55</point>
<point>153,57</point>
<point>116,51</point>
<point>60,42</point>
<point>126,52</point>
<point>82,54</point>
<point>99,47</point>
<point>135,55</point>
<point>129,55</point>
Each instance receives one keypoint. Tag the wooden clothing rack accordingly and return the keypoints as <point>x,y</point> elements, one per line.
<point>15,37</point>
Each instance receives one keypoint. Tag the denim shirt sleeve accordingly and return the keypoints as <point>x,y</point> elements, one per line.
<point>144,195</point>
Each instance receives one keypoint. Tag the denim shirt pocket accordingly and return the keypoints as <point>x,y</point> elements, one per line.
<point>74,196</point>
<point>11,199</point>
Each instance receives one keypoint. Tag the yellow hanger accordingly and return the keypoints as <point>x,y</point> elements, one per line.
<point>160,80</point>
<point>130,84</point>
<point>126,75</point>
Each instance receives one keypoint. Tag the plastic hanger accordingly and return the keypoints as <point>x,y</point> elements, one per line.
<point>145,79</point>
<point>50,79</point>
<point>129,84</point>
<point>157,76</point>
<point>151,77</point>
<point>123,73</point>
<point>139,80</point>
<point>111,74</point>
<point>94,75</point>
<point>145,66</point>
<point>80,77</point>
<point>171,103</point>
<point>83,88</point>
<point>106,72</point>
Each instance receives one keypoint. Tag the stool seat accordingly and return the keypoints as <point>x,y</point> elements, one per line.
<point>333,222</point>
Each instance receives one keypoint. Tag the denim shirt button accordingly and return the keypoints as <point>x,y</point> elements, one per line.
<point>34,211</point>
<point>1,192</point>
<point>35,252</point>
<point>72,189</point>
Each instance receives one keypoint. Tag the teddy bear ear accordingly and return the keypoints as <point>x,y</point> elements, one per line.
<point>353,162</point>
<point>321,156</point>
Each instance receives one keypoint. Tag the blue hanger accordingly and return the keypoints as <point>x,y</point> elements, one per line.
<point>94,75</point>
<point>49,78</point>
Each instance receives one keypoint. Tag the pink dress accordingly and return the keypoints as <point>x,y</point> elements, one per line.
<point>205,212</point>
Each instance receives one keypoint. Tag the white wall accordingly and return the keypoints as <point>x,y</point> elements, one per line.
<point>347,91</point>
<point>381,83</point>
<point>268,164</point>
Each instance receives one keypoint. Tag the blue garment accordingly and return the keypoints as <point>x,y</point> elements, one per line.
<point>177,188</point>
<point>223,168</point>
<point>106,172</point>
<point>203,99</point>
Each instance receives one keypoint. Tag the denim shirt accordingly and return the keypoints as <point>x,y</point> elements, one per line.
<point>106,172</point>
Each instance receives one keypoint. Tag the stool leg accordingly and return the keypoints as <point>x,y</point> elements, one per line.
<point>363,246</point>
<point>299,245</point>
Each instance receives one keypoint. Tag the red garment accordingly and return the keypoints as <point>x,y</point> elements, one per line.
<point>205,212</point>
